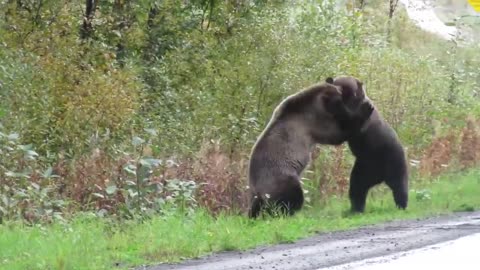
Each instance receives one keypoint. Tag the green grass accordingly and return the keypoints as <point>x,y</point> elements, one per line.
<point>94,243</point>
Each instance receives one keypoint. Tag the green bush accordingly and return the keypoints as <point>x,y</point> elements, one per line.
<point>203,71</point>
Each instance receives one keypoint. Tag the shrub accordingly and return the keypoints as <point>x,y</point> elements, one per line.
<point>206,75</point>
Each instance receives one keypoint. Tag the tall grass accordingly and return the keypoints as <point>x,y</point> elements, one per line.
<point>89,242</point>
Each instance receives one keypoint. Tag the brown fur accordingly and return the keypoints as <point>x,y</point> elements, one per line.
<point>314,115</point>
<point>379,154</point>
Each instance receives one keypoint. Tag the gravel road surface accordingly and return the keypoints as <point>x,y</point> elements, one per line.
<point>344,249</point>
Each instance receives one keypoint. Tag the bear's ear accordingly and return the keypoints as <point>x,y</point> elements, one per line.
<point>359,85</point>
<point>361,89</point>
<point>329,80</point>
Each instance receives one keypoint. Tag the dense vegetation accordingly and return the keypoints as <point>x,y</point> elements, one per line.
<point>90,242</point>
<point>130,108</point>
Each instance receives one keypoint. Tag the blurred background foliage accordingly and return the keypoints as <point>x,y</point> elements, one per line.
<point>99,90</point>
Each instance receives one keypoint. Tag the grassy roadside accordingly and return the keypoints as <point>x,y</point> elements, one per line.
<point>93,243</point>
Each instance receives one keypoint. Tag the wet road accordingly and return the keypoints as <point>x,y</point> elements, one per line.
<point>461,254</point>
<point>392,245</point>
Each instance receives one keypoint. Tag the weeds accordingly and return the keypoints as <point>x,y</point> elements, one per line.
<point>90,242</point>
<point>30,192</point>
<point>78,110</point>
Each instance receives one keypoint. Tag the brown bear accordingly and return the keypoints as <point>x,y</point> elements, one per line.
<point>379,155</point>
<point>315,115</point>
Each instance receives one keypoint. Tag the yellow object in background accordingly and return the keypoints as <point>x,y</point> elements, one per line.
<point>475,4</point>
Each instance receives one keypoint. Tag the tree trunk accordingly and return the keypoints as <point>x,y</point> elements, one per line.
<point>392,7</point>
<point>87,29</point>
<point>361,4</point>
<point>391,11</point>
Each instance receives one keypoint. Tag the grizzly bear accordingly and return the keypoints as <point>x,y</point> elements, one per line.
<point>315,115</point>
<point>379,155</point>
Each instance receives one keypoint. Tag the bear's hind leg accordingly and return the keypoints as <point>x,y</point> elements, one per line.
<point>361,180</point>
<point>396,178</point>
<point>289,197</point>
<point>293,202</point>
<point>255,207</point>
<point>399,186</point>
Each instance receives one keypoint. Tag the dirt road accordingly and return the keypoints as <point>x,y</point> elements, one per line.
<point>338,248</point>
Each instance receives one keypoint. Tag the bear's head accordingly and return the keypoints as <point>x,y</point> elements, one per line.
<point>353,92</point>
<point>316,102</point>
<point>323,111</point>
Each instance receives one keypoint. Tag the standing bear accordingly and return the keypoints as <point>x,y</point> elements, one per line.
<point>315,115</point>
<point>378,152</point>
